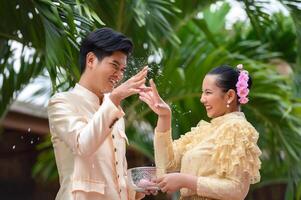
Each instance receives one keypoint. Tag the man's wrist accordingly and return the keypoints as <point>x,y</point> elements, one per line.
<point>115,98</point>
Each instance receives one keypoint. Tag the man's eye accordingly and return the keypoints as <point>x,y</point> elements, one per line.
<point>115,66</point>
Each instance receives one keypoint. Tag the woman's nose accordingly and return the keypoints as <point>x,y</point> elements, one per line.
<point>202,99</point>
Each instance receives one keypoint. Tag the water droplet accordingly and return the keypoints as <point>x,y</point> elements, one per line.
<point>31,142</point>
<point>19,34</point>
<point>28,130</point>
<point>17,6</point>
<point>14,146</point>
<point>30,15</point>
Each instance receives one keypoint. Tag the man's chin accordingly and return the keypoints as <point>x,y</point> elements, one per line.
<point>108,90</point>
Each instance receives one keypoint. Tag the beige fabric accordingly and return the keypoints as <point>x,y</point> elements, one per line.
<point>89,145</point>
<point>223,154</point>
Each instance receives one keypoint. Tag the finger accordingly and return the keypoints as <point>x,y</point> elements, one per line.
<point>141,74</point>
<point>147,192</point>
<point>137,77</point>
<point>138,84</point>
<point>158,180</point>
<point>145,89</point>
<point>145,95</point>
<point>164,189</point>
<point>145,100</point>
<point>161,184</point>
<point>154,88</point>
<point>154,192</point>
<point>144,69</point>
<point>149,96</point>
<point>133,91</point>
<point>169,192</point>
<point>144,86</point>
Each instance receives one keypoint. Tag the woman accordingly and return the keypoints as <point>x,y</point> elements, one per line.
<point>216,160</point>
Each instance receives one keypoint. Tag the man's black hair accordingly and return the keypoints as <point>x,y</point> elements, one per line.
<point>103,42</point>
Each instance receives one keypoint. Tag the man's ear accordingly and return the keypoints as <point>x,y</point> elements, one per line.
<point>90,58</point>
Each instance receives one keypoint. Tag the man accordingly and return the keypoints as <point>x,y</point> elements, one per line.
<point>87,123</point>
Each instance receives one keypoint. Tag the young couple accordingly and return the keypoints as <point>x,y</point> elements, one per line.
<point>216,160</point>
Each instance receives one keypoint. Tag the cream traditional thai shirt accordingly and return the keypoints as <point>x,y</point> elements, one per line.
<point>223,155</point>
<point>89,146</point>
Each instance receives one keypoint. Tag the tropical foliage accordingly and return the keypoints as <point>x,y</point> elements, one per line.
<point>180,41</point>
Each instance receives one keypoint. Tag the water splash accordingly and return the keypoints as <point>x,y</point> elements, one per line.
<point>189,112</point>
<point>14,146</point>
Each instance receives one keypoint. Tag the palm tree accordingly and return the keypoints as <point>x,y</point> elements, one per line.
<point>50,30</point>
<point>185,49</point>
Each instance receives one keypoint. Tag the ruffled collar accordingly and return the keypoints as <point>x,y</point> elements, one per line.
<point>226,117</point>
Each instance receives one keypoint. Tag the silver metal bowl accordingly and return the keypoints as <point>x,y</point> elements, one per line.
<point>140,178</point>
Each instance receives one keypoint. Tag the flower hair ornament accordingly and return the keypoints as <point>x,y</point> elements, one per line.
<point>242,85</point>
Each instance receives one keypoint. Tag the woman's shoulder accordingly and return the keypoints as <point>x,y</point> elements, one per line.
<point>235,121</point>
<point>237,128</point>
<point>236,145</point>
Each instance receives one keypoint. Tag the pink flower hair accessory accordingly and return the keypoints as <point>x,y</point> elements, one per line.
<point>242,85</point>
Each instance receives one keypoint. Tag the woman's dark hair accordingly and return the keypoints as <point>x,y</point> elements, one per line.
<point>227,77</point>
<point>103,42</point>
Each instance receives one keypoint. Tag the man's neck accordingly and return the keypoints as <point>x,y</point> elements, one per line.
<point>88,86</point>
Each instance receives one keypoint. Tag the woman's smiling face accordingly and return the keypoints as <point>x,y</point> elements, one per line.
<point>213,97</point>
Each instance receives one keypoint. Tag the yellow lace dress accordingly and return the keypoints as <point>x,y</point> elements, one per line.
<point>223,154</point>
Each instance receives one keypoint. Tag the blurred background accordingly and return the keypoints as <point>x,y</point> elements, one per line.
<point>180,40</point>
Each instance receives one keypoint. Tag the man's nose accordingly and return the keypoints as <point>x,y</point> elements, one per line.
<point>119,75</point>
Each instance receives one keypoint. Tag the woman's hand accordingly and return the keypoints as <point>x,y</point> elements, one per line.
<point>173,182</point>
<point>170,183</point>
<point>151,97</point>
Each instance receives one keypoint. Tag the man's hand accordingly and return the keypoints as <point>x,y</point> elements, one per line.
<point>129,87</point>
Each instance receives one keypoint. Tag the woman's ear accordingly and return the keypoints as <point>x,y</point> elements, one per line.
<point>231,96</point>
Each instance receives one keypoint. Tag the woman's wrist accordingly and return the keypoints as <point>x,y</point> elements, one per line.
<point>163,123</point>
<point>189,181</point>
<point>167,114</point>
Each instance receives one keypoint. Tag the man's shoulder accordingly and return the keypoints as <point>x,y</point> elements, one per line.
<point>62,97</point>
